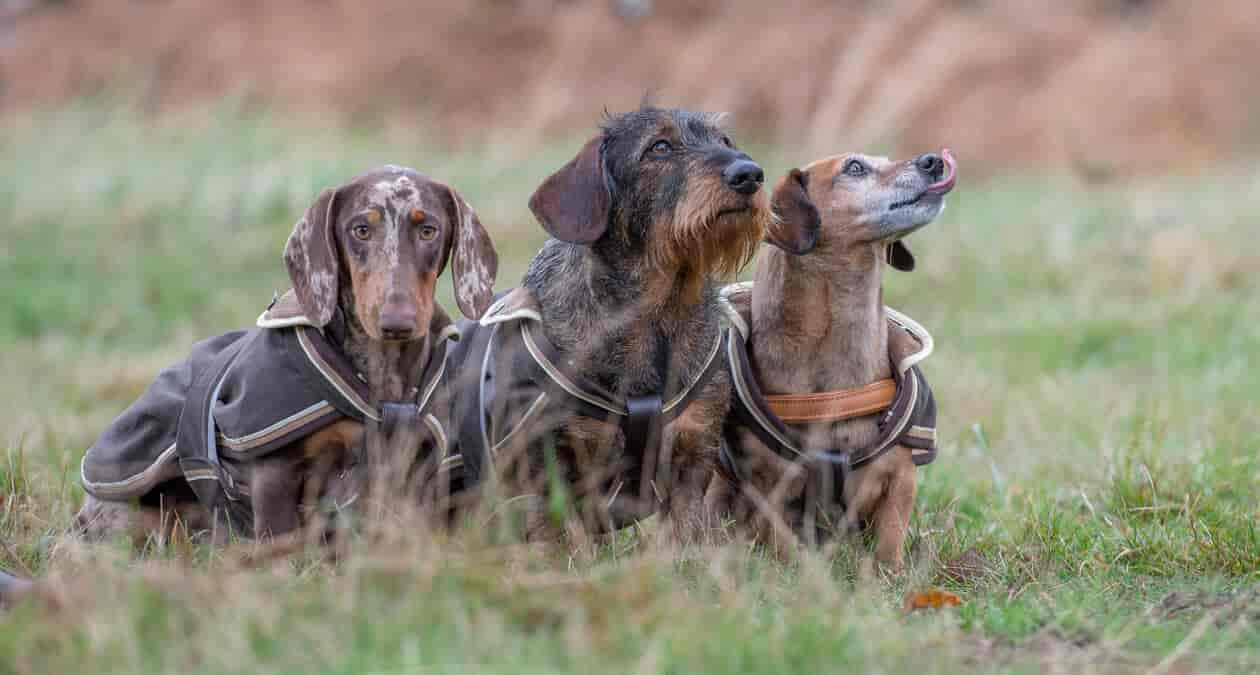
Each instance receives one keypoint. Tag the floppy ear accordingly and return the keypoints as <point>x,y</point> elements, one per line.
<point>573,203</point>
<point>474,262</point>
<point>795,220</point>
<point>899,256</point>
<point>311,257</point>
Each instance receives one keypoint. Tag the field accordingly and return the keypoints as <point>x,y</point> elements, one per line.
<point>1094,504</point>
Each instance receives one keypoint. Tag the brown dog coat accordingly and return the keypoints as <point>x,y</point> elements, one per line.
<point>910,419</point>
<point>240,396</point>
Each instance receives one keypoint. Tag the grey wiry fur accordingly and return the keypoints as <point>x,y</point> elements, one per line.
<point>668,228</point>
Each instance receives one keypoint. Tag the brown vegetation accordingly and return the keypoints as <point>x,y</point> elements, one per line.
<point>1134,84</point>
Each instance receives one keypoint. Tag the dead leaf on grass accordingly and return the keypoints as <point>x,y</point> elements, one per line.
<point>931,598</point>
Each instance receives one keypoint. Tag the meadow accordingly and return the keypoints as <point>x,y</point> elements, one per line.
<point>1094,504</point>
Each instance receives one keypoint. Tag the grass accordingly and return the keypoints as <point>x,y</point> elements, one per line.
<point>1099,438</point>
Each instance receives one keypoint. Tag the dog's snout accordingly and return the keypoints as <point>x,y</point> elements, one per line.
<point>744,176</point>
<point>932,165</point>
<point>398,322</point>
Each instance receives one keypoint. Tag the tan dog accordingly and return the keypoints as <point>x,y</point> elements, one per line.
<point>835,367</point>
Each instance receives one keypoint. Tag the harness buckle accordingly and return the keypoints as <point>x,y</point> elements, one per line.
<point>642,414</point>
<point>399,431</point>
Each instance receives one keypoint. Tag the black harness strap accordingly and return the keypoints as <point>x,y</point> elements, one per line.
<point>642,425</point>
<point>641,418</point>
<point>406,416</point>
<point>400,423</point>
<point>727,467</point>
<point>401,428</point>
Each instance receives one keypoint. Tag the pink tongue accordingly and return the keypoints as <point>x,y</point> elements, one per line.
<point>951,172</point>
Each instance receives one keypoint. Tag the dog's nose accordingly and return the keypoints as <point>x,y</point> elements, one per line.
<point>398,323</point>
<point>744,176</point>
<point>932,165</point>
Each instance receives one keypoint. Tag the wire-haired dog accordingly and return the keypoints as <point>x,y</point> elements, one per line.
<point>609,352</point>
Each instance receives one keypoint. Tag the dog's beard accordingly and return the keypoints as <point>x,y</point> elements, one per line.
<point>712,236</point>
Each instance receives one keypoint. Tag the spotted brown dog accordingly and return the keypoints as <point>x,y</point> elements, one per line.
<point>602,372</point>
<point>832,413</point>
<point>345,371</point>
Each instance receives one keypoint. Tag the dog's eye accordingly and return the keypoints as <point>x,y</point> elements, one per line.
<point>854,168</point>
<point>726,140</point>
<point>661,148</point>
<point>428,232</point>
<point>361,231</point>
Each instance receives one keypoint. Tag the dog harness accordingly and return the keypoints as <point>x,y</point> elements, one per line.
<point>515,386</point>
<point>904,402</point>
<point>244,394</point>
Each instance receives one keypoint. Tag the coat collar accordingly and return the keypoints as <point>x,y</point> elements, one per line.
<point>520,305</point>
<point>328,360</point>
<point>908,345</point>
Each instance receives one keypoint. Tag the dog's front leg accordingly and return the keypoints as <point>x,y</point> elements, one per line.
<point>892,517</point>
<point>565,476</point>
<point>275,490</point>
<point>882,494</point>
<point>690,454</point>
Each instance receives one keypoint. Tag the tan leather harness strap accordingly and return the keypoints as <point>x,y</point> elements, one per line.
<point>833,406</point>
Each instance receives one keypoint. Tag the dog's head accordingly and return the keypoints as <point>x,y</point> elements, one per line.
<point>850,200</point>
<point>667,185</point>
<point>378,244</point>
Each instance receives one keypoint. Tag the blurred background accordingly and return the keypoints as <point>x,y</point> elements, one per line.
<point>1087,277</point>
<point>1109,85</point>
